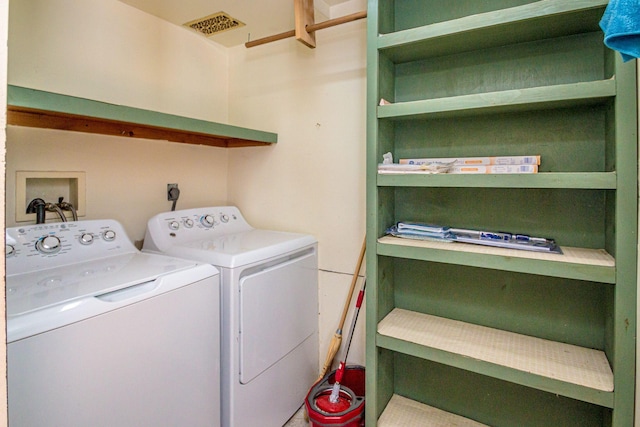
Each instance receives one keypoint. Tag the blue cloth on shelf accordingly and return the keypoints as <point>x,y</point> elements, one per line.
<point>621,26</point>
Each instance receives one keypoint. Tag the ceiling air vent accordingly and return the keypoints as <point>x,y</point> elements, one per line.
<point>214,24</point>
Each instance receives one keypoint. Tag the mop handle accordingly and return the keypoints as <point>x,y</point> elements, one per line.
<point>360,298</point>
<point>336,341</point>
<point>335,390</point>
<point>355,318</point>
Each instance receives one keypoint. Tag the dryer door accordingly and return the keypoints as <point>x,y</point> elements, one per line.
<point>278,310</point>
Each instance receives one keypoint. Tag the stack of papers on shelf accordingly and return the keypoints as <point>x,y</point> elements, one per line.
<point>494,169</point>
<point>421,231</point>
<point>394,168</point>
<point>462,165</point>
<point>506,240</point>
<point>477,161</point>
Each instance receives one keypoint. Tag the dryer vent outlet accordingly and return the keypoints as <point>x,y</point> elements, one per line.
<point>214,24</point>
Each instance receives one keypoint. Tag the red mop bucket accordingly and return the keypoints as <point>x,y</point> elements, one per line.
<point>348,411</point>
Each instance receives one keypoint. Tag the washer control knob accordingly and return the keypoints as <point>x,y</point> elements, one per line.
<point>207,221</point>
<point>174,225</point>
<point>109,235</point>
<point>9,250</point>
<point>224,218</point>
<point>48,245</point>
<point>86,238</point>
<point>188,223</point>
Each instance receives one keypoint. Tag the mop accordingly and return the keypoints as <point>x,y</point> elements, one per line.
<point>334,346</point>
<point>335,391</point>
<point>344,405</point>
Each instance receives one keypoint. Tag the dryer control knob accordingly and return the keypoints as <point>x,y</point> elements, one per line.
<point>86,239</point>
<point>207,221</point>
<point>174,225</point>
<point>9,250</point>
<point>48,245</point>
<point>188,223</point>
<point>109,235</point>
<point>224,218</point>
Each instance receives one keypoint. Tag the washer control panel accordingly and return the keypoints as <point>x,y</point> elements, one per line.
<point>168,228</point>
<point>34,247</point>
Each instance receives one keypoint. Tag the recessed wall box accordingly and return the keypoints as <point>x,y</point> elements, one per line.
<point>50,186</point>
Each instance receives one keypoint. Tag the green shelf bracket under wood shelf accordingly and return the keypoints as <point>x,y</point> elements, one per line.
<point>36,108</point>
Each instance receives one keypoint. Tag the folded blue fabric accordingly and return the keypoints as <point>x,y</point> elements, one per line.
<point>621,26</point>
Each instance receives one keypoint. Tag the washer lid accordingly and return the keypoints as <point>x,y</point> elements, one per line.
<point>238,249</point>
<point>62,286</point>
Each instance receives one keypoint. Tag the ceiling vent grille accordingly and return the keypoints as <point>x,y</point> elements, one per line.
<point>214,24</point>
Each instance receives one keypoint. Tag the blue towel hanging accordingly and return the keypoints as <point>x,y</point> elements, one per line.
<point>621,26</point>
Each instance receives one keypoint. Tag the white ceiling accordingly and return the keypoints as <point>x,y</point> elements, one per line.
<point>262,18</point>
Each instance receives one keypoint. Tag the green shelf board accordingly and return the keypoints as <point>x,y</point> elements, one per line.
<point>515,100</point>
<point>550,385</point>
<point>31,107</point>
<point>507,26</point>
<point>586,265</point>
<point>575,180</point>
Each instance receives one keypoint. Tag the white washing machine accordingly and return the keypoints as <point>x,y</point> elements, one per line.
<point>100,334</point>
<point>269,282</point>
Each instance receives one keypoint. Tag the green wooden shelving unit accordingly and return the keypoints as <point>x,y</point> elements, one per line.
<point>489,336</point>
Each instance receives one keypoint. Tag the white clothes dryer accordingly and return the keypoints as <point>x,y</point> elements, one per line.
<point>269,282</point>
<point>101,334</point>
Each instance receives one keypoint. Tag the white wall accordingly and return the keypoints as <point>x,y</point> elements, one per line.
<point>313,180</point>
<point>4,17</point>
<point>108,51</point>
<point>126,179</point>
<point>111,52</point>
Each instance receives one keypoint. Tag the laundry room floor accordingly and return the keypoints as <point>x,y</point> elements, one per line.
<point>298,420</point>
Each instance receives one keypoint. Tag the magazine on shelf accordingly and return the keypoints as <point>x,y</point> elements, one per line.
<point>399,169</point>
<point>426,168</point>
<point>476,161</point>
<point>456,169</point>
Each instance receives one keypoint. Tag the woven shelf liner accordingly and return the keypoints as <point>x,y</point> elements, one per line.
<point>551,359</point>
<point>408,413</point>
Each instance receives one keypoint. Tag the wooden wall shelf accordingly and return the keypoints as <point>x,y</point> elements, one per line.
<point>36,108</point>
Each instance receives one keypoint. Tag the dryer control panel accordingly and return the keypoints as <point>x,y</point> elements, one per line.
<point>170,228</point>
